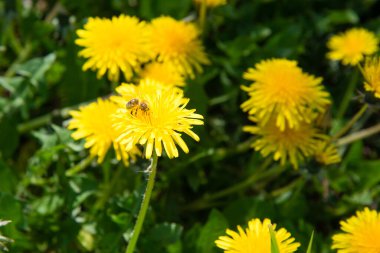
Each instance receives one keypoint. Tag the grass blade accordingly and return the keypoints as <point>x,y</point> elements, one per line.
<point>273,241</point>
<point>310,243</point>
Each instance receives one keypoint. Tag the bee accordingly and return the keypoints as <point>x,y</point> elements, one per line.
<point>135,105</point>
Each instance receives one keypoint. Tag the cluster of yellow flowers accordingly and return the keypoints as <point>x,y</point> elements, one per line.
<point>354,46</point>
<point>124,44</point>
<point>161,54</point>
<point>361,234</point>
<point>284,103</point>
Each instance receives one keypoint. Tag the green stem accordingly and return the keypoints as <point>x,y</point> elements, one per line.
<point>249,181</point>
<point>45,119</point>
<point>110,185</point>
<point>152,169</point>
<point>288,187</point>
<point>202,15</point>
<point>348,126</point>
<point>257,176</point>
<point>34,123</point>
<point>359,135</point>
<point>348,95</point>
<point>79,167</point>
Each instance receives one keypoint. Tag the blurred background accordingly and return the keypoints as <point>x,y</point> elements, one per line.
<point>222,182</point>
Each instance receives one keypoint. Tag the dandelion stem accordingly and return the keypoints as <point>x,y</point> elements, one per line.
<point>152,169</point>
<point>348,95</point>
<point>359,135</point>
<point>44,119</point>
<point>202,15</point>
<point>255,177</point>
<point>110,185</point>
<point>79,167</point>
<point>348,126</point>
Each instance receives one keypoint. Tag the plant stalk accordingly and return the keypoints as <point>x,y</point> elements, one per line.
<point>152,169</point>
<point>359,135</point>
<point>202,15</point>
<point>348,95</point>
<point>348,126</point>
<point>79,167</point>
<point>260,174</point>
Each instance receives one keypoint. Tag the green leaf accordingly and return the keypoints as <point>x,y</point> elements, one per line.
<point>343,17</point>
<point>36,68</point>
<point>9,183</point>
<point>273,241</point>
<point>310,243</point>
<point>165,233</point>
<point>9,137</point>
<point>215,227</point>
<point>49,204</point>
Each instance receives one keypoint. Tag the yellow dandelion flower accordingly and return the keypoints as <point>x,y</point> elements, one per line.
<point>361,233</point>
<point>256,238</point>
<point>351,46</point>
<point>212,3</point>
<point>93,122</point>
<point>371,73</point>
<point>326,153</point>
<point>293,144</point>
<point>164,73</point>
<point>154,117</point>
<point>113,45</point>
<point>280,89</point>
<point>177,42</point>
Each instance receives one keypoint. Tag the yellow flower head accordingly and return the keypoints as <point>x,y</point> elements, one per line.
<point>280,89</point>
<point>212,3</point>
<point>164,73</point>
<point>154,116</point>
<point>93,123</point>
<point>371,73</point>
<point>326,153</point>
<point>177,42</point>
<point>293,144</point>
<point>361,233</point>
<point>256,238</point>
<point>351,46</point>
<point>113,45</point>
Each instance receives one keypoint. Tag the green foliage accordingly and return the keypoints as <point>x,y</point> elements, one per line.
<point>4,240</point>
<point>94,209</point>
